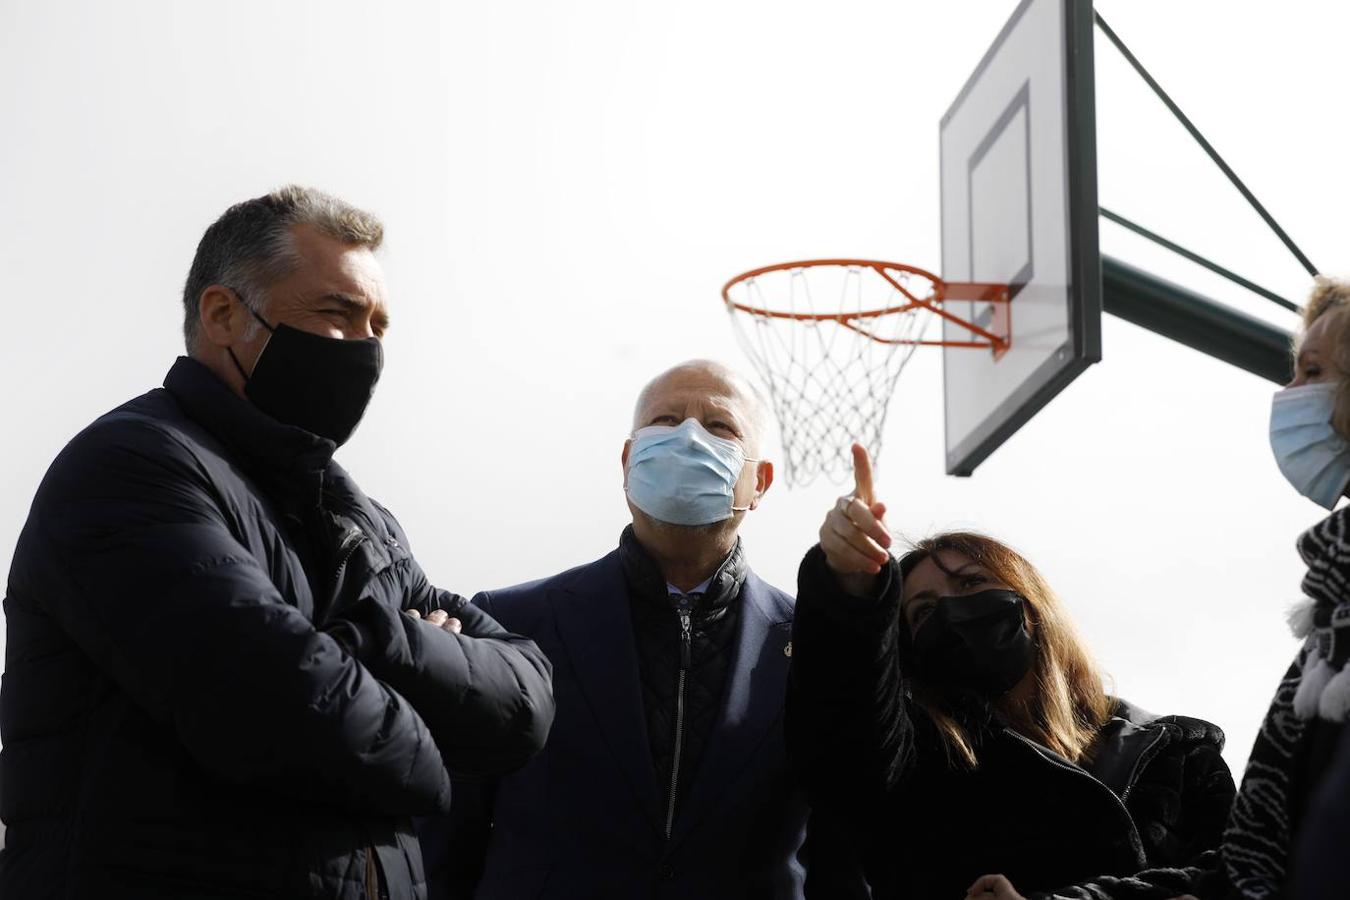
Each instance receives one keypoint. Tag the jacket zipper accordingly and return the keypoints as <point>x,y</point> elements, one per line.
<point>686,660</point>
<point>1145,756</point>
<point>1067,766</point>
<point>350,541</point>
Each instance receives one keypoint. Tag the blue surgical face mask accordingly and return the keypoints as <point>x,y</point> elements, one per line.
<point>683,475</point>
<point>1310,453</point>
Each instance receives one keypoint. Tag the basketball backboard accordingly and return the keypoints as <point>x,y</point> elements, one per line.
<point>1019,207</point>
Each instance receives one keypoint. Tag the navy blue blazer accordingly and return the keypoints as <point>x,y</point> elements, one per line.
<point>583,818</point>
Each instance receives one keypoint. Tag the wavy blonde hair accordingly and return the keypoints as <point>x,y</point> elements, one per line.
<point>1331,297</point>
<point>1069,703</point>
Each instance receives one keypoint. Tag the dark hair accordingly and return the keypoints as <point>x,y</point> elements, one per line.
<point>250,246</point>
<point>1070,703</point>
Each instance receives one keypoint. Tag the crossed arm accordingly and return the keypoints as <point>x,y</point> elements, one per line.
<point>485,694</point>
<point>141,569</point>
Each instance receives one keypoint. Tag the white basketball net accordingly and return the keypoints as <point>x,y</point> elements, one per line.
<point>829,380</point>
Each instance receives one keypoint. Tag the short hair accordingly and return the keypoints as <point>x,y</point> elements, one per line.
<point>756,407</point>
<point>1331,297</point>
<point>251,246</point>
<point>1070,704</point>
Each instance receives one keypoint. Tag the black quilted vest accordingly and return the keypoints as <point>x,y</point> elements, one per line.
<point>661,651</point>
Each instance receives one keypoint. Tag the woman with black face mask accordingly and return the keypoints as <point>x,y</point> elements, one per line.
<point>951,728</point>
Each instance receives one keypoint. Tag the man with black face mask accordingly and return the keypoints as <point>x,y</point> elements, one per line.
<point>226,674</point>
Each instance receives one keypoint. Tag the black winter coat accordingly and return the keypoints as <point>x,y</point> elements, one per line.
<point>1154,796</point>
<point>211,689</point>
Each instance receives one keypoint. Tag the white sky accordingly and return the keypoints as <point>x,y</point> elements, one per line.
<point>567,186</point>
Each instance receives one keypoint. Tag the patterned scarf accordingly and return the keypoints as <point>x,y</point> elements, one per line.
<point>1257,841</point>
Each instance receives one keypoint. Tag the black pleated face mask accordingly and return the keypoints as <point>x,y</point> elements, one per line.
<point>320,384</point>
<point>977,642</point>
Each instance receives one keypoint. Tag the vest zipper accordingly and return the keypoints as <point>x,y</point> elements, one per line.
<point>686,660</point>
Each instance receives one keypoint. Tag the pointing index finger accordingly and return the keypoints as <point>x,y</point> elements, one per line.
<point>862,475</point>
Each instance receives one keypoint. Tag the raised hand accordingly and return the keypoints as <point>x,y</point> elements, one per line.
<point>854,536</point>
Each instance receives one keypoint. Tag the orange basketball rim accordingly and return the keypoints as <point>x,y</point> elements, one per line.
<point>917,291</point>
<point>830,337</point>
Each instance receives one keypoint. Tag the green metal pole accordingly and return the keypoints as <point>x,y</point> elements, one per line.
<point>1183,315</point>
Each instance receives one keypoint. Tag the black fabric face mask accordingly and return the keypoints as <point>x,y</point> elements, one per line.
<point>978,642</point>
<point>320,384</point>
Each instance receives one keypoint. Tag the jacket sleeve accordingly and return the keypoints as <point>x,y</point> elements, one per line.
<point>486,694</point>
<point>138,565</point>
<point>455,845</point>
<point>1203,878</point>
<point>848,730</point>
<point>1206,801</point>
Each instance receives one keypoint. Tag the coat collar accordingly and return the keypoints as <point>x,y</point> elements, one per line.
<point>645,581</point>
<point>1133,736</point>
<point>289,461</point>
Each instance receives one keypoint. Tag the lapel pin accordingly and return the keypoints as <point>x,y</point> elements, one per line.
<point>787,651</point>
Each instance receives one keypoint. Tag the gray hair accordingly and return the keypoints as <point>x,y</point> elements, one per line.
<point>251,246</point>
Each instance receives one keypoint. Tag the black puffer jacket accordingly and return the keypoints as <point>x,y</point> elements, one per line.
<point>211,689</point>
<point>1154,796</point>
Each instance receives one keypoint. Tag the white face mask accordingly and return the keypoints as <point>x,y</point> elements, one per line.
<point>1310,453</point>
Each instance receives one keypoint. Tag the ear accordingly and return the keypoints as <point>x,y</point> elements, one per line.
<point>763,479</point>
<point>623,459</point>
<point>216,311</point>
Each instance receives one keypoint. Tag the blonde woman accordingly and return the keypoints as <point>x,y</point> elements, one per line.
<point>951,727</point>
<point>1293,790</point>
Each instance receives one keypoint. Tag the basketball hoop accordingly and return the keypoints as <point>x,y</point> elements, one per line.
<point>830,338</point>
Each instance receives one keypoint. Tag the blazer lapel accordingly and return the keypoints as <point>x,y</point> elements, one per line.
<point>595,624</point>
<point>752,703</point>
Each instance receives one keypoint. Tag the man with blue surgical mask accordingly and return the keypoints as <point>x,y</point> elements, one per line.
<point>664,774</point>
